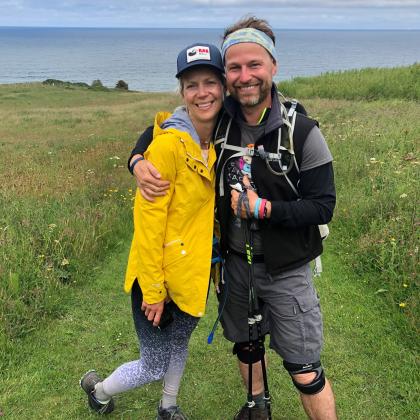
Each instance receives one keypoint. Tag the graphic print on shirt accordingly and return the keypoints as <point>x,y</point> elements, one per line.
<point>236,169</point>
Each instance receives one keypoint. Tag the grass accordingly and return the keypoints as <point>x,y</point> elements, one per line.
<point>372,370</point>
<point>365,84</point>
<point>375,151</point>
<point>65,224</point>
<point>65,197</point>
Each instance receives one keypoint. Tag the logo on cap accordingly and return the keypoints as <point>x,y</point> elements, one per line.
<point>198,53</point>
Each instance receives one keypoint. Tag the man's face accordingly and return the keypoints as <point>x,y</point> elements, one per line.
<point>249,74</point>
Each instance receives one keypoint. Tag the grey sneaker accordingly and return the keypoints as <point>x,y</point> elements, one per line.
<point>88,382</point>
<point>257,413</point>
<point>171,413</point>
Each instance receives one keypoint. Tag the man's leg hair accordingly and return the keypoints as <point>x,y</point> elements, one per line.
<point>316,385</point>
<point>242,352</point>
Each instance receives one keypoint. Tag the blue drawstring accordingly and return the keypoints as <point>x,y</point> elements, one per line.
<point>218,258</point>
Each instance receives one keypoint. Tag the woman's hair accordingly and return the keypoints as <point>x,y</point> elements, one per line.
<point>251,22</point>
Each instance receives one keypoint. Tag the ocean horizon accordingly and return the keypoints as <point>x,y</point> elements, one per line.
<point>145,58</point>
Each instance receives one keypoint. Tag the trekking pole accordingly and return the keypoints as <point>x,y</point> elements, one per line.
<point>255,319</point>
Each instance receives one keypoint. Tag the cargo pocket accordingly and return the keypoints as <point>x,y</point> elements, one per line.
<point>173,251</point>
<point>311,321</point>
<point>307,300</point>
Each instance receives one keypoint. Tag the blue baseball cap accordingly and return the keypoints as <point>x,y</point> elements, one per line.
<point>199,54</point>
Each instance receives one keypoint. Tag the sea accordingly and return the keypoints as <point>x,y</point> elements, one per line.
<point>146,58</point>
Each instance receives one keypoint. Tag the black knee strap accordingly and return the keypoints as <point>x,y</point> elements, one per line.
<point>242,352</point>
<point>317,384</point>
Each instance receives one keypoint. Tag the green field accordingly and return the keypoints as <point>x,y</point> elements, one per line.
<point>65,229</point>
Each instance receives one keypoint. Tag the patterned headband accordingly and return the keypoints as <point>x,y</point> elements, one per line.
<point>249,35</point>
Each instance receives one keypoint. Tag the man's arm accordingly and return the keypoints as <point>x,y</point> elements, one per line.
<point>141,146</point>
<point>317,204</point>
<point>314,208</point>
<point>148,178</point>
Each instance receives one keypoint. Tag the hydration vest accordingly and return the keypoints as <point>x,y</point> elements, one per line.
<point>279,163</point>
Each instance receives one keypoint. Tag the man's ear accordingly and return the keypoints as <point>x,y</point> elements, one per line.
<point>274,69</point>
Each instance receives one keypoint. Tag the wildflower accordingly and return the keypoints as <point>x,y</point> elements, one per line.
<point>405,285</point>
<point>402,304</point>
<point>65,262</point>
<point>114,158</point>
<point>403,195</point>
<point>373,160</point>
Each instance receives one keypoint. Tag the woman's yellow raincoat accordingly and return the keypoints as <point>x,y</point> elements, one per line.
<point>172,244</point>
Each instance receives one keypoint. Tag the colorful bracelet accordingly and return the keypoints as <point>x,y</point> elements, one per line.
<point>262,210</point>
<point>257,207</point>
<point>134,163</point>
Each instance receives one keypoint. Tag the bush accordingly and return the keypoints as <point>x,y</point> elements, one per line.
<point>56,82</point>
<point>121,85</point>
<point>97,85</point>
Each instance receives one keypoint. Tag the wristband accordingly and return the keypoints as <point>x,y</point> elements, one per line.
<point>257,207</point>
<point>134,163</point>
<point>262,210</point>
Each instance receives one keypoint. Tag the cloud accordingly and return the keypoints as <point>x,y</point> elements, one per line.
<point>150,4</point>
<point>309,3</point>
<point>294,14</point>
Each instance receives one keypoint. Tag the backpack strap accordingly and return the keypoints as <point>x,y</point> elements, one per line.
<point>285,144</point>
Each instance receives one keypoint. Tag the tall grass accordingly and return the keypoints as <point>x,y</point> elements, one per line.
<point>65,193</point>
<point>375,226</point>
<point>366,84</point>
<point>371,122</point>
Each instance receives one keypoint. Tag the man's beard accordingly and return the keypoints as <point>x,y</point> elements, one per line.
<point>254,100</point>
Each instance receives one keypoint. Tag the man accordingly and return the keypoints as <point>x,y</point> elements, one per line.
<point>289,190</point>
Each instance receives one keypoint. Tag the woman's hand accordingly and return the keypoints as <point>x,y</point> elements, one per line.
<point>153,311</point>
<point>149,180</point>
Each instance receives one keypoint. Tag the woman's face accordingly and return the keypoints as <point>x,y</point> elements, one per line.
<point>202,91</point>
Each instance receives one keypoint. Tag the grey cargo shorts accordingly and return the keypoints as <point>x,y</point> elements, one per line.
<point>289,305</point>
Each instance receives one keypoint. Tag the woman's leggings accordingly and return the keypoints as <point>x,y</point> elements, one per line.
<point>163,353</point>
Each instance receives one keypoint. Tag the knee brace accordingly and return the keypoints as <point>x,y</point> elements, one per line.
<point>242,352</point>
<point>316,385</point>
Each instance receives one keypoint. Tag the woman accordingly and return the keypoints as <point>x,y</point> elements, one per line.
<point>169,263</point>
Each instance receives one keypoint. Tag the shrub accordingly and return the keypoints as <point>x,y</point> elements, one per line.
<point>97,85</point>
<point>56,82</point>
<point>121,85</point>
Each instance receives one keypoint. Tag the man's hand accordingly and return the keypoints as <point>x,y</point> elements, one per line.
<point>153,311</point>
<point>148,180</point>
<point>252,197</point>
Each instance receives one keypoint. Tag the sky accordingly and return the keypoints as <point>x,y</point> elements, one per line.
<point>281,14</point>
